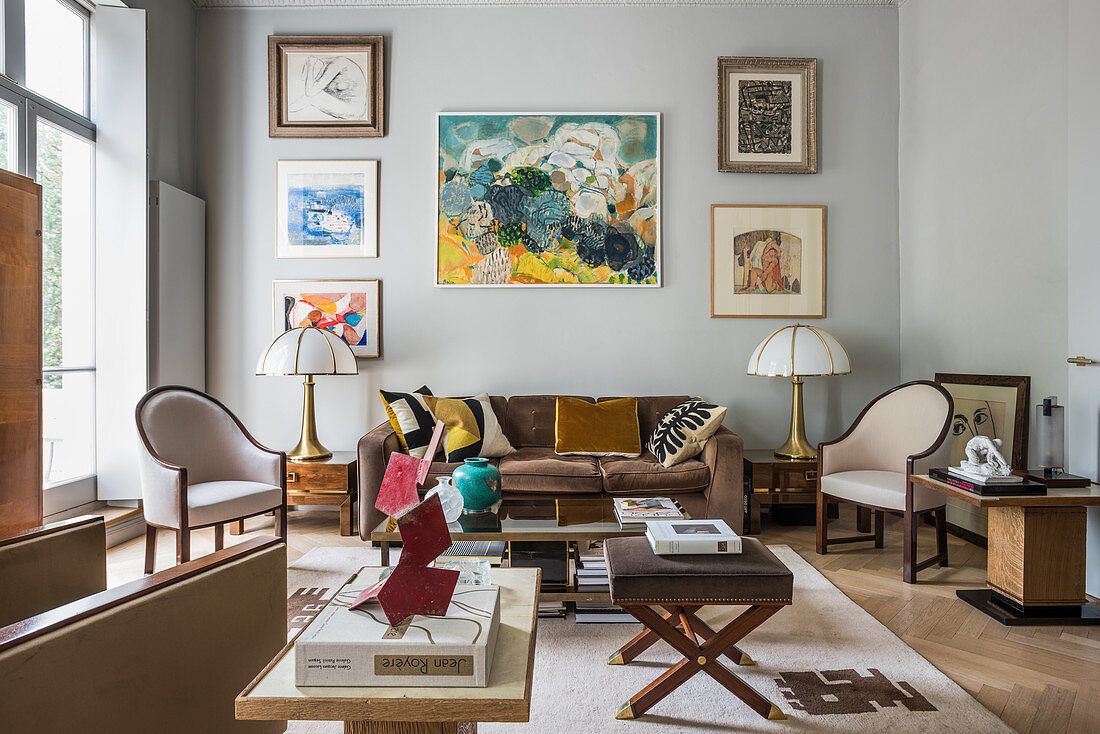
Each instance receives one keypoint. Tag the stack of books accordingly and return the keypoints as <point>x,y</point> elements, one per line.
<point>552,609</point>
<point>683,537</point>
<point>591,577</point>
<point>986,486</point>
<point>633,513</point>
<point>490,551</point>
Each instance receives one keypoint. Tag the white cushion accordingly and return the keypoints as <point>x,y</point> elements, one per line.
<point>885,489</point>
<point>212,502</point>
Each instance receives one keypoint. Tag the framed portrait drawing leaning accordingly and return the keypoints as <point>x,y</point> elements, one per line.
<point>548,199</point>
<point>767,115</point>
<point>325,86</point>
<point>351,309</point>
<point>989,405</point>
<point>326,209</point>
<point>767,261</point>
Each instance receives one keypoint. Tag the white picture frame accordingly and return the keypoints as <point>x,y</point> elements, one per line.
<point>326,209</point>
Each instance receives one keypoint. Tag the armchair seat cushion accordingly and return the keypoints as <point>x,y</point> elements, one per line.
<point>214,502</point>
<point>645,475</point>
<point>885,489</point>
<point>538,470</point>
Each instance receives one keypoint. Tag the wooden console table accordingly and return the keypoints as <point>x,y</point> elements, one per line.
<point>1036,565</point>
<point>272,696</point>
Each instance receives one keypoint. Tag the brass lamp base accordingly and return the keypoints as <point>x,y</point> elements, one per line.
<point>308,448</point>
<point>797,446</point>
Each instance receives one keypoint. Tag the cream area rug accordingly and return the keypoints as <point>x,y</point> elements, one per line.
<point>828,664</point>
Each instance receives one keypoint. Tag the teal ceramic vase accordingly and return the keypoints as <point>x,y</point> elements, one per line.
<point>479,483</point>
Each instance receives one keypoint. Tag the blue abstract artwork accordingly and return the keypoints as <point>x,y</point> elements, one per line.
<point>325,209</point>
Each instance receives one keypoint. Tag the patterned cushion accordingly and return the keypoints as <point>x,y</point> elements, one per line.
<point>411,419</point>
<point>471,429</point>
<point>681,433</point>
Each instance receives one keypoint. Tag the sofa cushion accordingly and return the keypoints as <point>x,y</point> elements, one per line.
<point>644,475</point>
<point>411,419</point>
<point>606,428</point>
<point>538,470</point>
<point>472,427</point>
<point>530,420</point>
<point>650,410</point>
<point>683,431</point>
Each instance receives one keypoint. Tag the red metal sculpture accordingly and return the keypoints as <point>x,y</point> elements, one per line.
<point>413,587</point>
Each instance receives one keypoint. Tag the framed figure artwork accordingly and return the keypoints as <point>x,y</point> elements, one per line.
<point>767,261</point>
<point>989,405</point>
<point>325,86</point>
<point>351,309</point>
<point>767,115</point>
<point>548,199</point>
<point>326,209</point>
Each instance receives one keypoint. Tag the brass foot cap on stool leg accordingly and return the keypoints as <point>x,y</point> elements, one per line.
<point>625,711</point>
<point>746,660</point>
<point>616,659</point>
<point>776,715</point>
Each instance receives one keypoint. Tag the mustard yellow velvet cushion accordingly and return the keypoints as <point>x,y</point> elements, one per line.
<point>607,428</point>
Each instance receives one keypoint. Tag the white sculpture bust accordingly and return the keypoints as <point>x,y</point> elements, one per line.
<point>984,457</point>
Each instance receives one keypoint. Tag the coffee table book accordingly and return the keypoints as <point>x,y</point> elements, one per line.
<point>358,647</point>
<point>1027,489</point>
<point>683,537</point>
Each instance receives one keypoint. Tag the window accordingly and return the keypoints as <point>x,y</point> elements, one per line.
<point>45,134</point>
<point>56,52</point>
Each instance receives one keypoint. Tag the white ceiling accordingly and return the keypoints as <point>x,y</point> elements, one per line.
<point>536,3</point>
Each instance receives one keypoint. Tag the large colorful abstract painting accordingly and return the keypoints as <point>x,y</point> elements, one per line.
<point>351,309</point>
<point>548,200</point>
<point>327,209</point>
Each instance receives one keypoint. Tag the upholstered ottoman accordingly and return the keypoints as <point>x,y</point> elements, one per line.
<point>682,585</point>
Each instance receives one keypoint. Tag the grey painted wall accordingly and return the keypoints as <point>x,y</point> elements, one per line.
<point>982,151</point>
<point>171,94</point>
<point>595,342</point>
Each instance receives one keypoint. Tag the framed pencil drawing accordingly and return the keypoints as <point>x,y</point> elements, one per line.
<point>767,261</point>
<point>989,405</point>
<point>325,86</point>
<point>767,115</point>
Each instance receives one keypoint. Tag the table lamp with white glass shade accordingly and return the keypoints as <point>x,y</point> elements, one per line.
<point>308,351</point>
<point>799,351</point>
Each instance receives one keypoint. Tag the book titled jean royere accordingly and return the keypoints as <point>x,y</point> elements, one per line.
<point>681,537</point>
<point>346,647</point>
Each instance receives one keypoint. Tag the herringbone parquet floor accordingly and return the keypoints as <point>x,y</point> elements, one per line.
<point>1040,680</point>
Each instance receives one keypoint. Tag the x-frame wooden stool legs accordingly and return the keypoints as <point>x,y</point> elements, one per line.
<point>680,628</point>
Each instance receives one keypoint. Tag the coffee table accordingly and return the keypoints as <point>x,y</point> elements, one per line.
<point>272,696</point>
<point>567,521</point>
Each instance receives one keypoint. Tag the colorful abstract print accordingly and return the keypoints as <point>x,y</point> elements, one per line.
<point>325,209</point>
<point>548,200</point>
<point>344,314</point>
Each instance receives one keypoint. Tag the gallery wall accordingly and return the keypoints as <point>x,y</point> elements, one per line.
<point>983,176</point>
<point>558,340</point>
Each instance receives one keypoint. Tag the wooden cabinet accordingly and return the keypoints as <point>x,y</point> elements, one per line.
<point>778,483</point>
<point>20,354</point>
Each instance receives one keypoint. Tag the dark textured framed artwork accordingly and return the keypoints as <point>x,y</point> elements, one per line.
<point>325,86</point>
<point>989,405</point>
<point>767,114</point>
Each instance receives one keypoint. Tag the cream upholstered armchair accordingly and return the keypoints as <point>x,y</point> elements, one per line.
<point>900,433</point>
<point>201,468</point>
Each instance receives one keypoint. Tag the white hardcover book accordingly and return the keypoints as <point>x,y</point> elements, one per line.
<point>682,537</point>
<point>345,647</point>
<point>983,479</point>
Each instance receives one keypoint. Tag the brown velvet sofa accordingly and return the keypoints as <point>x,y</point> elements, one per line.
<point>167,653</point>
<point>708,485</point>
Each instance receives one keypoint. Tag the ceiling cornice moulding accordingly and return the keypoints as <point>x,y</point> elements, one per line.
<point>217,4</point>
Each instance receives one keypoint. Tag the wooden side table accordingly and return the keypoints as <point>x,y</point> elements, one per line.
<point>772,482</point>
<point>333,481</point>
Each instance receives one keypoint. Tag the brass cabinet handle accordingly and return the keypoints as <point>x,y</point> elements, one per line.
<point>1080,361</point>
<point>811,475</point>
<point>292,476</point>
